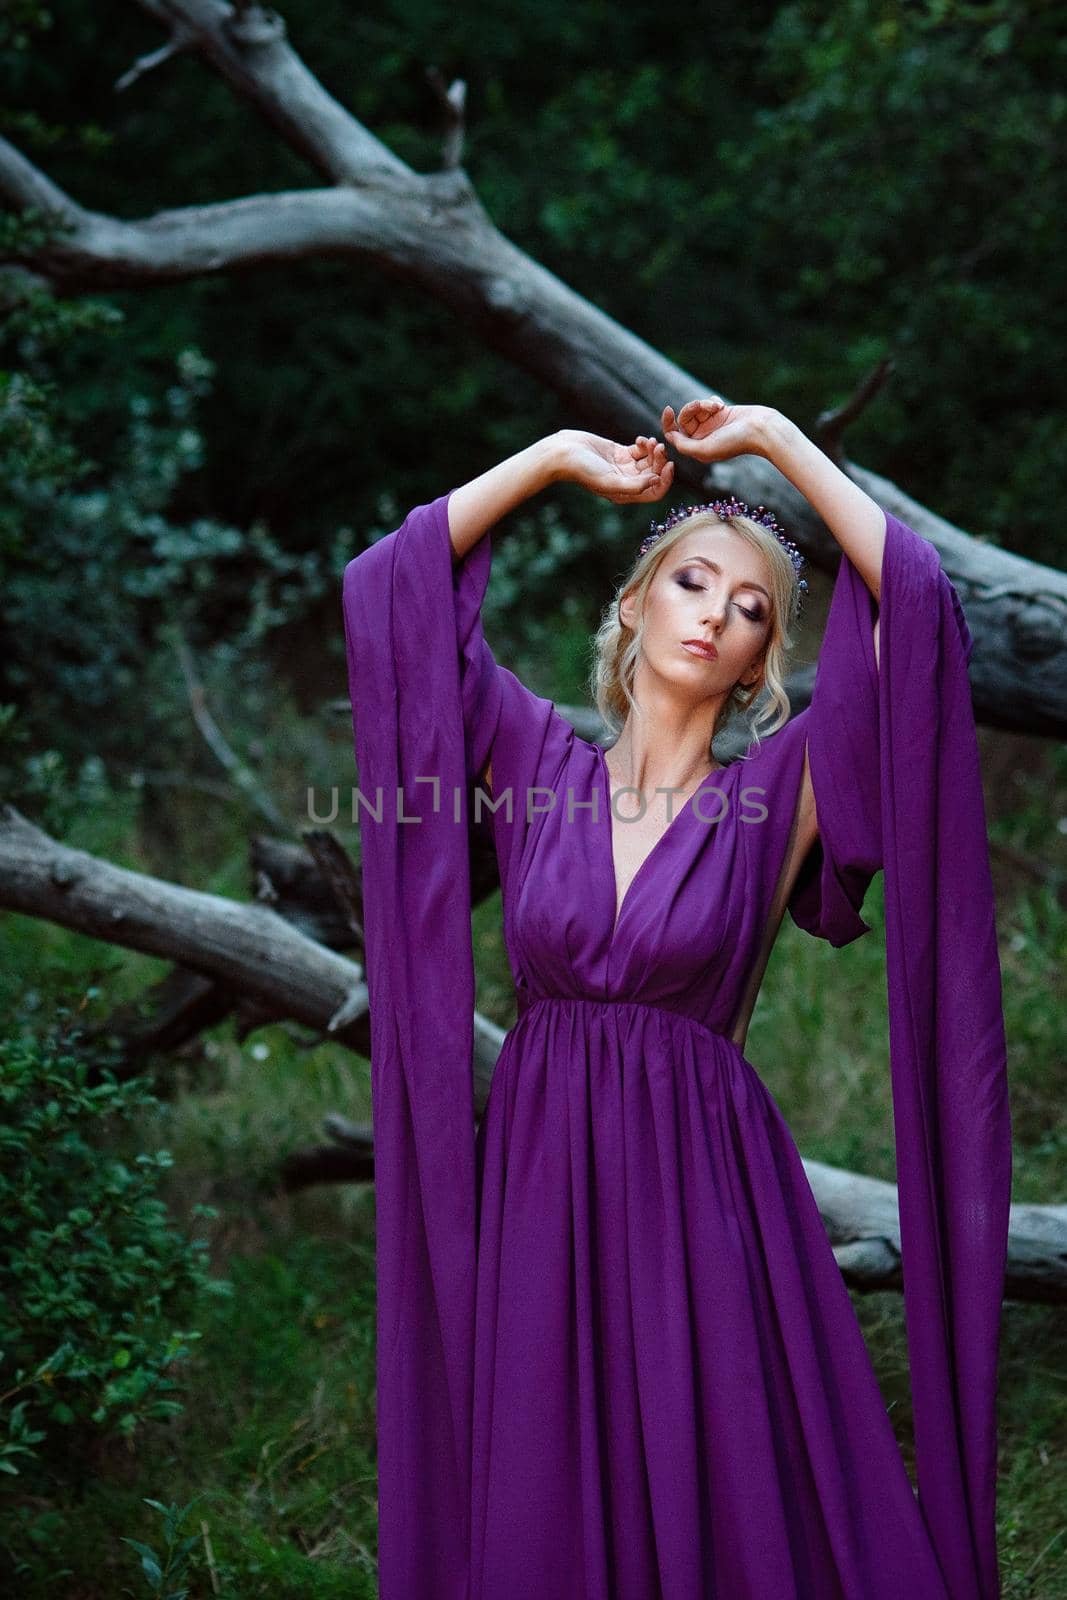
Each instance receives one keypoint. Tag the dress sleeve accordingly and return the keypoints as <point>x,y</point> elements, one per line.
<point>894,761</point>
<point>842,731</point>
<point>430,705</point>
<point>394,587</point>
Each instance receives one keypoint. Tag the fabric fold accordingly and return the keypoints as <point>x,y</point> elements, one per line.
<point>416,666</point>
<point>895,769</point>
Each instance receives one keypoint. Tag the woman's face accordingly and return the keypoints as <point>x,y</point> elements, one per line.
<point>712,586</point>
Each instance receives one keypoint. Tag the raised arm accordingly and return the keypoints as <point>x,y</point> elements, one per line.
<point>856,521</point>
<point>624,474</point>
<point>711,430</point>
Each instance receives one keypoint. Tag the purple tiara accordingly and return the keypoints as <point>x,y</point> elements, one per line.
<point>729,508</point>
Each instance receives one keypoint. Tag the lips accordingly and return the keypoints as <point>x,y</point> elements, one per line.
<point>699,647</point>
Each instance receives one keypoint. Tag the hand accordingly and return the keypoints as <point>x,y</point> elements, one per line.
<point>625,474</point>
<point>711,430</point>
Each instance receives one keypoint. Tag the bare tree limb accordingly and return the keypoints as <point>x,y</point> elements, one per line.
<point>453,102</point>
<point>830,425</point>
<point>240,772</point>
<point>336,868</point>
<point>249,49</point>
<point>25,188</point>
<point>247,947</point>
<point>181,40</point>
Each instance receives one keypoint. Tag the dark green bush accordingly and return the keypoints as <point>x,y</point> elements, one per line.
<point>97,1285</point>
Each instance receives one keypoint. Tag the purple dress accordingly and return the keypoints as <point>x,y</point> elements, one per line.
<point>616,1357</point>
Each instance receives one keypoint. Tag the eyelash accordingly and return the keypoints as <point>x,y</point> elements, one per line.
<point>753,616</point>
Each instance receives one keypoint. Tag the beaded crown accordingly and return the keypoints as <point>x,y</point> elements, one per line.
<point>729,508</point>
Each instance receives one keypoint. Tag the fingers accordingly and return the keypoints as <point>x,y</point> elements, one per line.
<point>661,483</point>
<point>683,443</point>
<point>697,412</point>
<point>650,485</point>
<point>650,452</point>
<point>653,472</point>
<point>635,491</point>
<point>692,423</point>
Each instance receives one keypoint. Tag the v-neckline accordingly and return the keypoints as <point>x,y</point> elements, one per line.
<point>619,911</point>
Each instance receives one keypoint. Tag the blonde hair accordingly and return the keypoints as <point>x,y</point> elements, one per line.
<point>617,648</point>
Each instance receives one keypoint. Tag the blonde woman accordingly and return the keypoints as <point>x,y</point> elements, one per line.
<point>616,1356</point>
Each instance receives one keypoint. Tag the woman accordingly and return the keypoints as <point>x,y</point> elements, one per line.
<point>616,1357</point>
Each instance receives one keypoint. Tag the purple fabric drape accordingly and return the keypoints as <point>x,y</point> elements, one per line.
<point>915,807</point>
<point>401,634</point>
<point>894,763</point>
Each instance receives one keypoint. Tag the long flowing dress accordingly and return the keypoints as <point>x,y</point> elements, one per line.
<point>616,1358</point>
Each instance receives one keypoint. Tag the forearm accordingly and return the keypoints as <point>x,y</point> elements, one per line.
<point>856,521</point>
<point>477,506</point>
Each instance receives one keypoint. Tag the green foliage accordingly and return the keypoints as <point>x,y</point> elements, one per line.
<point>164,1573</point>
<point>93,1274</point>
<point>97,577</point>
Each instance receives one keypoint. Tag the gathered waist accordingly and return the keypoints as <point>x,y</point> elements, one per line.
<point>527,1001</point>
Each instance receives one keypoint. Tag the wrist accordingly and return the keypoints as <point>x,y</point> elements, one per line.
<point>776,434</point>
<point>553,456</point>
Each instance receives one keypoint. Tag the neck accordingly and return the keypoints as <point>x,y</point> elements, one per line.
<point>636,761</point>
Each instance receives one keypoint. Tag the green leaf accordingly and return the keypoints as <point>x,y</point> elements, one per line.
<point>152,1569</point>
<point>142,1549</point>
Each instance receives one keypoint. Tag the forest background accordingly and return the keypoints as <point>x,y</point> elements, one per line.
<point>777,197</point>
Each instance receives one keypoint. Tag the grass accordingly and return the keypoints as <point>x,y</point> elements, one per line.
<point>277,1433</point>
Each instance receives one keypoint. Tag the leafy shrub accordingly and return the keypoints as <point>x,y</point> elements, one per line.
<point>165,1573</point>
<point>94,1276</point>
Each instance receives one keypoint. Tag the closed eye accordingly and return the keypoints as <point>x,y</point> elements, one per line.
<point>753,616</point>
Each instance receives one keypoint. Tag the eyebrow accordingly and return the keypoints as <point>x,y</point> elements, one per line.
<point>715,567</point>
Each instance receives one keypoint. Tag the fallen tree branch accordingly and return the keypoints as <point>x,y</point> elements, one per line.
<point>453,102</point>
<point>247,947</point>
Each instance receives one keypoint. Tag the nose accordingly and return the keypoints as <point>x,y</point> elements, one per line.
<point>715,610</point>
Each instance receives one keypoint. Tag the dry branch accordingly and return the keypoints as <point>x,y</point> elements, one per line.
<point>249,948</point>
